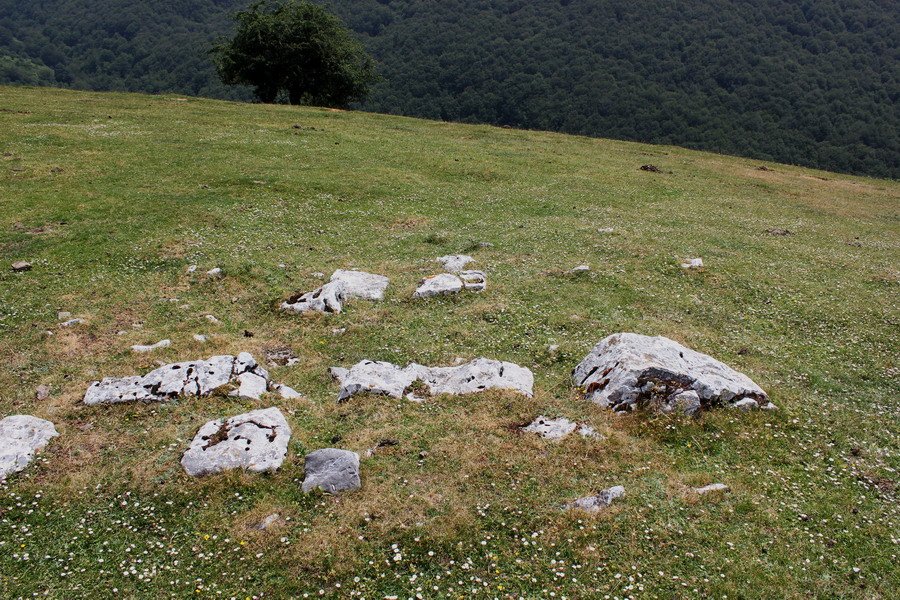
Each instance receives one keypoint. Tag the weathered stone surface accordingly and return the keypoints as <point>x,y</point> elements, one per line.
<point>267,523</point>
<point>598,502</point>
<point>251,387</point>
<point>283,357</point>
<point>713,487</point>
<point>362,285</point>
<point>42,392</point>
<point>693,263</point>
<point>454,263</point>
<point>256,441</point>
<point>444,283</point>
<point>626,371</point>
<point>21,266</point>
<point>71,323</point>
<point>557,429</point>
<point>746,404</point>
<point>286,392</point>
<point>551,429</point>
<point>686,403</point>
<point>580,269</point>
<point>331,470</point>
<point>215,273</point>
<point>374,377</point>
<point>199,337</point>
<point>474,281</point>
<point>191,378</point>
<point>21,437</point>
<point>151,347</point>
<point>344,285</point>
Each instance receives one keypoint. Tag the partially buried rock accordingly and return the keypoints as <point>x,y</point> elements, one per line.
<point>599,501</point>
<point>713,487</point>
<point>256,441</point>
<point>693,263</point>
<point>455,263</point>
<point>283,357</point>
<point>20,266</point>
<point>344,285</point>
<point>42,392</point>
<point>331,470</point>
<point>193,378</point>
<point>557,429</point>
<point>21,437</point>
<point>215,273</point>
<point>448,283</point>
<point>627,371</point>
<point>686,403</point>
<point>71,323</point>
<point>151,347</point>
<point>375,377</point>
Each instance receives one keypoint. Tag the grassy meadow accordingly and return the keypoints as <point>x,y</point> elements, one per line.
<point>112,196</point>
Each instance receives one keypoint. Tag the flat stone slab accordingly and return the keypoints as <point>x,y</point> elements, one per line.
<point>692,263</point>
<point>713,487</point>
<point>343,286</point>
<point>256,441</point>
<point>361,285</point>
<point>21,437</point>
<point>627,371</point>
<point>448,283</point>
<point>376,377</point>
<point>20,266</point>
<point>142,349</point>
<point>191,378</point>
<point>599,501</point>
<point>454,263</point>
<point>331,470</point>
<point>557,429</point>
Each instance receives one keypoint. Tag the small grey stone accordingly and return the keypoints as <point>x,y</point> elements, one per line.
<point>63,315</point>
<point>215,273</point>
<point>362,285</point>
<point>580,269</point>
<point>42,392</point>
<point>286,392</point>
<point>598,502</point>
<point>713,487</point>
<point>268,522</point>
<point>454,263</point>
<point>71,323</point>
<point>331,470</point>
<point>693,263</point>
<point>551,429</point>
<point>150,348</point>
<point>21,266</point>
<point>745,404</point>
<point>212,319</point>
<point>199,337</point>
<point>605,230</point>
<point>21,437</point>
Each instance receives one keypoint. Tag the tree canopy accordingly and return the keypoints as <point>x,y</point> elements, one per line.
<point>295,48</point>
<point>811,82</point>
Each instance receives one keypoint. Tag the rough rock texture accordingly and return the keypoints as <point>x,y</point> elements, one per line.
<point>194,378</point>
<point>21,437</point>
<point>286,392</point>
<point>151,347</point>
<point>598,502</point>
<point>454,263</point>
<point>331,470</point>
<point>626,371</point>
<point>71,323</point>
<point>686,403</point>
<point>362,285</point>
<point>557,429</point>
<point>713,487</point>
<point>375,377</point>
<point>448,283</point>
<point>42,392</point>
<point>215,273</point>
<point>256,441</point>
<point>580,269</point>
<point>251,386</point>
<point>344,285</point>
<point>20,266</point>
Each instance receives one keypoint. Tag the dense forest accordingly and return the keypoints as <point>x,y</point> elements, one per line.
<point>812,82</point>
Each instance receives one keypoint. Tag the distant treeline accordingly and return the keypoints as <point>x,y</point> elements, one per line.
<point>811,82</point>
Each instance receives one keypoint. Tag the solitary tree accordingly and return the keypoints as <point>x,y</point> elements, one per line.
<point>297,47</point>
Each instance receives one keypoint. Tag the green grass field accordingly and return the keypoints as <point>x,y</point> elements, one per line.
<point>112,196</point>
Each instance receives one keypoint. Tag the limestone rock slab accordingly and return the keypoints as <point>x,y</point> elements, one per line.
<point>21,437</point>
<point>331,470</point>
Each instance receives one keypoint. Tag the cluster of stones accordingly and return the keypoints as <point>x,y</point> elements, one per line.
<point>623,372</point>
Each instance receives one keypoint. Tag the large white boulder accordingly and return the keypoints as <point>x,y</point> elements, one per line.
<point>376,377</point>
<point>192,378</point>
<point>626,371</point>
<point>21,437</point>
<point>256,441</point>
<point>331,470</point>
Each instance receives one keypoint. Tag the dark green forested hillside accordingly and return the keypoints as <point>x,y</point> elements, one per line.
<point>813,82</point>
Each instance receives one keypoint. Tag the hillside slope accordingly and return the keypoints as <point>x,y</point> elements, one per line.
<point>111,197</point>
<point>812,83</point>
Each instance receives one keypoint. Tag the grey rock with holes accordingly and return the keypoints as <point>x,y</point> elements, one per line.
<point>361,285</point>
<point>21,438</point>
<point>327,299</point>
<point>599,501</point>
<point>331,470</point>
<point>190,378</point>
<point>557,429</point>
<point>376,377</point>
<point>454,263</point>
<point>627,371</point>
<point>256,441</point>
